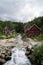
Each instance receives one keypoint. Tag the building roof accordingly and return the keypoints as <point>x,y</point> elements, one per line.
<point>6,27</point>
<point>27,25</point>
<point>35,26</point>
<point>32,27</point>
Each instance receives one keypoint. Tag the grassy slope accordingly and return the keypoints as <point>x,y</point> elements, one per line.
<point>40,37</point>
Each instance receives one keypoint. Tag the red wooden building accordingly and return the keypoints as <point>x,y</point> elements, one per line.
<point>32,30</point>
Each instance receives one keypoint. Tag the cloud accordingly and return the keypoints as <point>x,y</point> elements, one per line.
<point>20,10</point>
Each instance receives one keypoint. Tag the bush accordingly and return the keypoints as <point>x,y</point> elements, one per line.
<point>24,36</point>
<point>12,36</point>
<point>40,37</point>
<point>37,56</point>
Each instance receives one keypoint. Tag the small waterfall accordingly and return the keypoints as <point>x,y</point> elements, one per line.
<point>18,56</point>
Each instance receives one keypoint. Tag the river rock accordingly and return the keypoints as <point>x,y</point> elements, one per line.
<point>2,60</point>
<point>5,54</point>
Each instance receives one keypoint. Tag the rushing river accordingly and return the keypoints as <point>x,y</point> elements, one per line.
<point>18,55</point>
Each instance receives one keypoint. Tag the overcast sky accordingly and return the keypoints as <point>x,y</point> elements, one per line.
<point>20,10</point>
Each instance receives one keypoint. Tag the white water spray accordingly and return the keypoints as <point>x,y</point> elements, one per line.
<point>18,55</point>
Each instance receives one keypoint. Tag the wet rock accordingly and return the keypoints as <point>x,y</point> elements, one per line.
<point>3,51</point>
<point>28,54</point>
<point>8,58</point>
<point>28,51</point>
<point>2,61</point>
<point>5,54</point>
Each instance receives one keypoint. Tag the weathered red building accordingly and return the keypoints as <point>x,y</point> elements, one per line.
<point>6,30</point>
<point>32,30</point>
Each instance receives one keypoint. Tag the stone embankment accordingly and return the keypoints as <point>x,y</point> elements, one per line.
<point>5,54</point>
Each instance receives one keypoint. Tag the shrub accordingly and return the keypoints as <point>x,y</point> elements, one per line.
<point>24,36</point>
<point>37,56</point>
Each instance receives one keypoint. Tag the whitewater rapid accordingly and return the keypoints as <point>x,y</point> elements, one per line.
<point>18,54</point>
<point>18,57</point>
